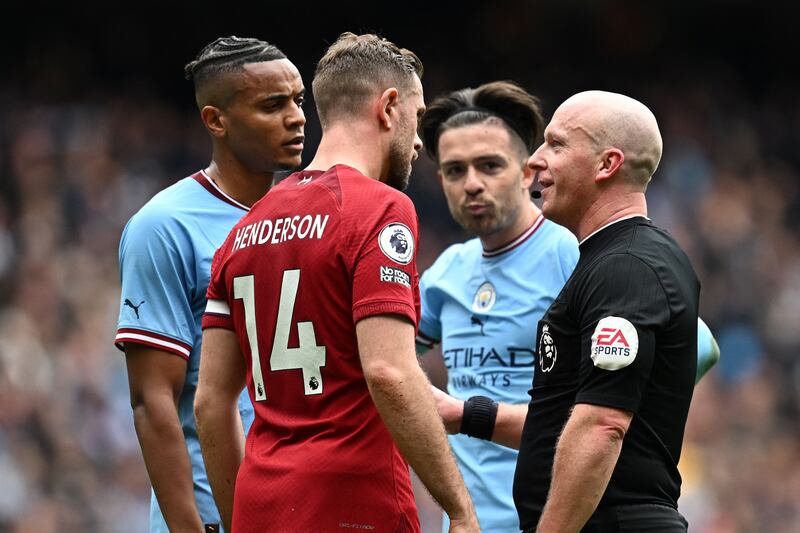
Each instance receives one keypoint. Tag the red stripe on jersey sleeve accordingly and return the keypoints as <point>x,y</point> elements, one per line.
<point>214,320</point>
<point>153,340</point>
<point>403,309</point>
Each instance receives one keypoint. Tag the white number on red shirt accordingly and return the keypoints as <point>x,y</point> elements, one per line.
<point>308,356</point>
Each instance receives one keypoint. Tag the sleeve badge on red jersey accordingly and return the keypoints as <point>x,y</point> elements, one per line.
<point>397,243</point>
<point>615,343</point>
<point>395,275</point>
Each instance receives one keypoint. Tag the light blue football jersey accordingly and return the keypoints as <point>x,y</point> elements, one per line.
<point>707,349</point>
<point>165,264</point>
<point>483,308</point>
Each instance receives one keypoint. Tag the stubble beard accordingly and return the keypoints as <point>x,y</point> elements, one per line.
<point>495,221</point>
<point>399,166</point>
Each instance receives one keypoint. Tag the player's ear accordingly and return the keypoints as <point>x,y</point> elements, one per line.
<point>388,107</point>
<point>527,174</point>
<point>213,120</point>
<point>610,162</point>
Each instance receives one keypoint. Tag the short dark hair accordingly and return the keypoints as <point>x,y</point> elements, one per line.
<point>519,110</point>
<point>353,66</point>
<point>226,55</point>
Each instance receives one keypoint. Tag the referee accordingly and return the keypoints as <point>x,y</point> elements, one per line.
<point>616,351</point>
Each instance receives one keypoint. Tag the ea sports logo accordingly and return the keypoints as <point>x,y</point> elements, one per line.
<point>615,343</point>
<point>612,336</point>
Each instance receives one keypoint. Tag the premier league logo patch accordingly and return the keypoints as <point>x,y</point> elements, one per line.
<point>547,350</point>
<point>397,243</point>
<point>484,298</point>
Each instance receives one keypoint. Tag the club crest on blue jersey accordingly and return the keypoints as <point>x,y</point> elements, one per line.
<point>547,350</point>
<point>484,298</point>
<point>397,243</point>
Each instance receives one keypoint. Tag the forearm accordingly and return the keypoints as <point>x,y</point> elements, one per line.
<point>584,461</point>
<point>508,426</point>
<point>405,403</point>
<point>167,461</point>
<point>219,428</point>
<point>507,429</point>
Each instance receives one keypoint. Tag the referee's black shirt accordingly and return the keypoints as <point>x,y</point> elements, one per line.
<point>622,333</point>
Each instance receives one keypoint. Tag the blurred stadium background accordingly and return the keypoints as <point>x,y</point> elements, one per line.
<point>96,117</point>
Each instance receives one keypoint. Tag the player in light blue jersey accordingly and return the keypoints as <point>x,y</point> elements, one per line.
<point>481,300</point>
<point>250,96</point>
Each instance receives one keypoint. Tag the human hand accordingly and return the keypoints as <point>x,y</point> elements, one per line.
<point>450,410</point>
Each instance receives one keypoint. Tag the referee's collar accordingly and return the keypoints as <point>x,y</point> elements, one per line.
<point>601,228</point>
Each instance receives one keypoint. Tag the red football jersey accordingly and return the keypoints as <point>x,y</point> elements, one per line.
<point>319,252</point>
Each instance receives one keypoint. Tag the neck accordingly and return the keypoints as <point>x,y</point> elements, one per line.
<point>604,212</point>
<point>527,216</point>
<point>239,183</point>
<point>348,144</point>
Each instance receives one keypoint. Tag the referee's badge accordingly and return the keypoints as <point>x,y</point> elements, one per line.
<point>615,343</point>
<point>547,350</point>
<point>484,299</point>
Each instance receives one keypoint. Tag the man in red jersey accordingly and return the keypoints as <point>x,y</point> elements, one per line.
<point>314,303</point>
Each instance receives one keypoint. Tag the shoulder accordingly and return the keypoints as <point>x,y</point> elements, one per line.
<point>368,192</point>
<point>445,259</point>
<point>452,258</point>
<point>558,237</point>
<point>650,242</point>
<point>559,233</point>
<point>621,273</point>
<point>634,243</point>
<point>167,206</point>
<point>462,252</point>
<point>164,215</point>
<point>370,206</point>
<point>659,250</point>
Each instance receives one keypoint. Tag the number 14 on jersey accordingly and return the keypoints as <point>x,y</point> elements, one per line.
<point>308,356</point>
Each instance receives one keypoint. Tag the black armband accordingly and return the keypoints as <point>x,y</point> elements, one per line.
<point>480,414</point>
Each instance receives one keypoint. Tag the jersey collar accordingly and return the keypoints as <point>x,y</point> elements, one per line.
<point>517,241</point>
<point>601,228</point>
<point>211,186</point>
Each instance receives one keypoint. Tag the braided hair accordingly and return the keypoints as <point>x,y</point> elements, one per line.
<point>517,109</point>
<point>226,55</point>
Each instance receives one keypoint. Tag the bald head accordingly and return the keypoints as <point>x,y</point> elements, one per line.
<point>612,120</point>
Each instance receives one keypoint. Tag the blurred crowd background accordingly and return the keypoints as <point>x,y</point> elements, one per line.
<point>97,118</point>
